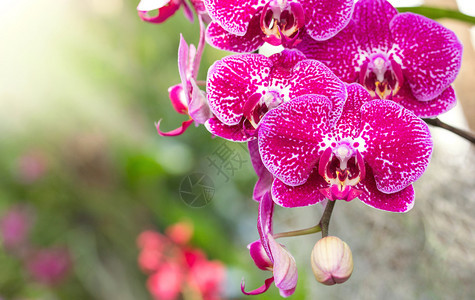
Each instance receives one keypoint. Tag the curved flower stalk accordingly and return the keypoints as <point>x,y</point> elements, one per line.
<point>186,97</point>
<point>265,178</point>
<point>242,88</point>
<point>374,152</point>
<point>244,26</point>
<point>271,256</point>
<point>405,57</point>
<point>167,8</point>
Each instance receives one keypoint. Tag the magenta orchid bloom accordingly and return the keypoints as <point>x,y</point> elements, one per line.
<point>186,97</point>
<point>242,88</point>
<point>404,57</point>
<point>269,255</point>
<point>244,26</point>
<point>165,8</point>
<point>374,152</point>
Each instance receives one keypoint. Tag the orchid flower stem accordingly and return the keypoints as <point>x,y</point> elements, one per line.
<point>460,132</point>
<point>201,82</point>
<point>325,220</point>
<point>305,231</point>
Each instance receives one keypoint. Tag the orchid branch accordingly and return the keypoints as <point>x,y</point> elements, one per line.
<point>460,132</point>
<point>325,220</point>
<point>310,230</point>
<point>321,226</point>
<point>438,13</point>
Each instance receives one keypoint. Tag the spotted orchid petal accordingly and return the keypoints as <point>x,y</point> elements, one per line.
<point>398,144</point>
<point>348,124</point>
<point>219,38</point>
<point>241,132</point>
<point>233,15</point>
<point>249,85</point>
<point>432,54</point>
<point>279,22</point>
<point>290,137</point>
<point>265,178</point>
<point>341,53</point>
<point>401,201</point>
<point>326,18</point>
<point>301,195</point>
<point>166,8</point>
<point>233,80</point>
<point>427,109</point>
<point>381,50</point>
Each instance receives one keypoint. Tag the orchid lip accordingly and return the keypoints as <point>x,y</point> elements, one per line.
<point>281,21</point>
<point>381,76</point>
<point>258,105</point>
<point>342,167</point>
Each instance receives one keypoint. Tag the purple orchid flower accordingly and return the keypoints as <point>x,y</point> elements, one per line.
<point>242,88</point>
<point>374,152</point>
<point>244,26</point>
<point>186,97</point>
<point>166,9</point>
<point>404,57</point>
<point>269,255</point>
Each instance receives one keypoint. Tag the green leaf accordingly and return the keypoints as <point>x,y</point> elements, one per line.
<point>438,13</point>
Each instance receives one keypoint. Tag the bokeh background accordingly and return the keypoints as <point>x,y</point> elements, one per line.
<point>81,85</point>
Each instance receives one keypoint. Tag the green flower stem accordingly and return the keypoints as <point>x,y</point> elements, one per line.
<point>305,231</point>
<point>325,220</point>
<point>438,13</point>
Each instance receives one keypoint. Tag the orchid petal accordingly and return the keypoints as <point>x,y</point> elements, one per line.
<point>349,122</point>
<point>398,144</point>
<point>432,54</point>
<point>285,268</point>
<point>219,38</point>
<point>427,109</point>
<point>231,81</point>
<point>241,132</point>
<point>183,66</point>
<point>301,195</point>
<point>178,99</point>
<point>165,10</point>
<point>259,290</point>
<point>326,18</point>
<point>233,15</point>
<point>178,131</point>
<point>259,256</point>
<point>401,201</point>
<point>188,12</point>
<point>290,137</point>
<point>198,108</point>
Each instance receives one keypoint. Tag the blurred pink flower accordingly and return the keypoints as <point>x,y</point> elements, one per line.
<point>166,283</point>
<point>15,226</point>
<point>175,267</point>
<point>49,266</point>
<point>31,167</point>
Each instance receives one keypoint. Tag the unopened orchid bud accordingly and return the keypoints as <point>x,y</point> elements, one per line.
<point>332,261</point>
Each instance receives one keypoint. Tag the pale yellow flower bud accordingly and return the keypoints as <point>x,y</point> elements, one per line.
<point>332,261</point>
